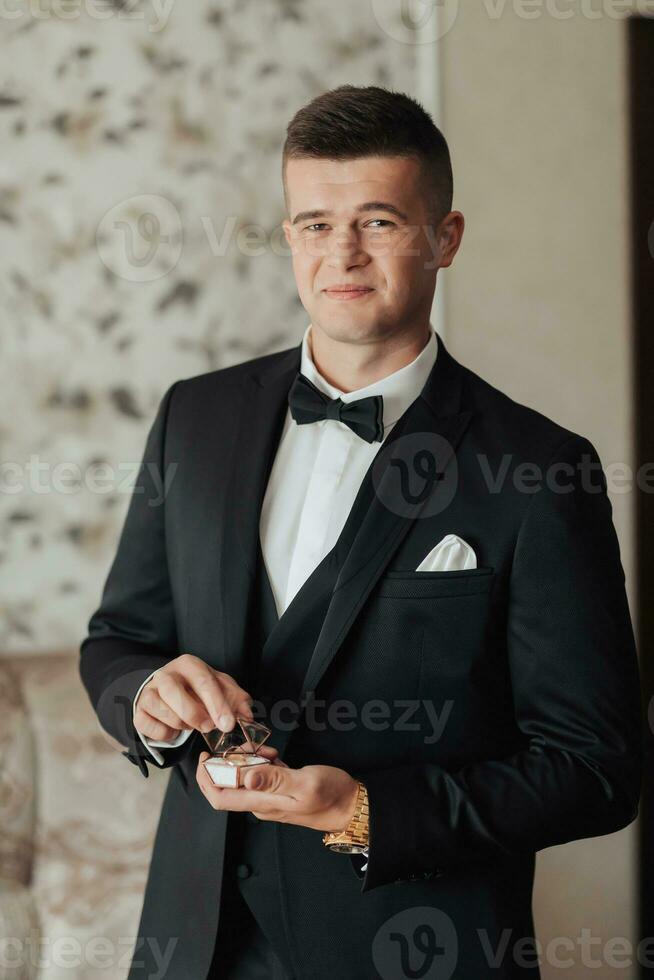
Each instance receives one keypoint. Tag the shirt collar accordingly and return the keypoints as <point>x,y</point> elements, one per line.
<point>398,389</point>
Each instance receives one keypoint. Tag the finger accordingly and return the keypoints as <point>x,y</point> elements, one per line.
<point>273,805</point>
<point>172,689</point>
<point>214,691</point>
<point>238,699</point>
<point>152,703</point>
<point>197,696</point>
<point>153,728</point>
<point>278,780</point>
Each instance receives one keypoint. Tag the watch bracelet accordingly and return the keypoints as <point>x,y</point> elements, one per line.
<point>357,830</point>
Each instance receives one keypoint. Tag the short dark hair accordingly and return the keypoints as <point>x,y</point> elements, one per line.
<point>353,121</point>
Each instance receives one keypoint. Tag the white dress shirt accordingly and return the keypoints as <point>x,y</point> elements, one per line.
<point>315,477</point>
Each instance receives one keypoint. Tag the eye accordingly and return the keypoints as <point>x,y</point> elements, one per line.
<point>380,221</point>
<point>319,225</point>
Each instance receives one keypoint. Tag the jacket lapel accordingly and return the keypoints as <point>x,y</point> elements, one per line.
<point>258,427</point>
<point>433,424</point>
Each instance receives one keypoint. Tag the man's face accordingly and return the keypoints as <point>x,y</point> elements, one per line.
<point>364,222</point>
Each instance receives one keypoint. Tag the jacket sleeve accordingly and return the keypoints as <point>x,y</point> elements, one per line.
<point>576,698</point>
<point>133,631</point>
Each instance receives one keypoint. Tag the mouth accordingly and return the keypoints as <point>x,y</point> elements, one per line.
<point>348,292</point>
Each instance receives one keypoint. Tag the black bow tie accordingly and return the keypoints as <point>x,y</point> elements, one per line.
<point>364,416</point>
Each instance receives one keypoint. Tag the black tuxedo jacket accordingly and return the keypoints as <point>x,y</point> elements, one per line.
<point>528,662</point>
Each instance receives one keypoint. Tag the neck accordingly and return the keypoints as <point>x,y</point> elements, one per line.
<point>349,365</point>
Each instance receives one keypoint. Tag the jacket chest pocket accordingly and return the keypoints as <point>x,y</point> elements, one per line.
<point>445,614</point>
<point>421,645</point>
<point>428,585</point>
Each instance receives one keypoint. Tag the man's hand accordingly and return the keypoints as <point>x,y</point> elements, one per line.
<point>188,693</point>
<point>319,797</point>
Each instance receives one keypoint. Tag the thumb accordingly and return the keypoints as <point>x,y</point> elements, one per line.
<point>270,778</point>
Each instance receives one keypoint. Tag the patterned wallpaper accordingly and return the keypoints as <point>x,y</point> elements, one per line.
<point>140,230</point>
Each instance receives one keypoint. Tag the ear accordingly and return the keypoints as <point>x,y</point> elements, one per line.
<point>288,230</point>
<point>449,237</point>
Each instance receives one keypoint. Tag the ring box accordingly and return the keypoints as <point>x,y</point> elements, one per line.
<point>234,752</point>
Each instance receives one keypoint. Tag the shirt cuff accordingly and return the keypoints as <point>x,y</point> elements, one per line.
<point>151,744</point>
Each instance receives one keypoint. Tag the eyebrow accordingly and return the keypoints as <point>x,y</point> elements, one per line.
<point>368,206</point>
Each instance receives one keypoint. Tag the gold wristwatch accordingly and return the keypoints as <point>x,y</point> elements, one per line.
<point>354,839</point>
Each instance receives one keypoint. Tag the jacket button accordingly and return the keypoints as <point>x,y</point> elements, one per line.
<point>243,871</point>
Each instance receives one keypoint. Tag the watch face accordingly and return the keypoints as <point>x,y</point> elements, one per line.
<point>248,736</point>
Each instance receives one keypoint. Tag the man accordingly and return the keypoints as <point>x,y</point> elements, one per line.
<point>412,579</point>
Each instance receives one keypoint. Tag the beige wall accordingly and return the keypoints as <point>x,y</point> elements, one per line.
<point>538,304</point>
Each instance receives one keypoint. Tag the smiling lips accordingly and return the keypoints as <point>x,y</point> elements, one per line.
<point>347,292</point>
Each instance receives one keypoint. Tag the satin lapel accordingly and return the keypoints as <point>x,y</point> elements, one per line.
<point>436,412</point>
<point>260,420</point>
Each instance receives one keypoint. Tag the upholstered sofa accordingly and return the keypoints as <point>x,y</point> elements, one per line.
<point>77,824</point>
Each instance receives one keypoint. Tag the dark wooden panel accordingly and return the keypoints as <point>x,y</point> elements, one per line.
<point>640,37</point>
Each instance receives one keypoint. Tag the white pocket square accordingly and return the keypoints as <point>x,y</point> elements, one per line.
<point>451,554</point>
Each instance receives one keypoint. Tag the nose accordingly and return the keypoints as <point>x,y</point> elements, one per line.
<point>346,251</point>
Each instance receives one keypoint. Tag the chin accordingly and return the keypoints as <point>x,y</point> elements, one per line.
<point>350,329</point>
